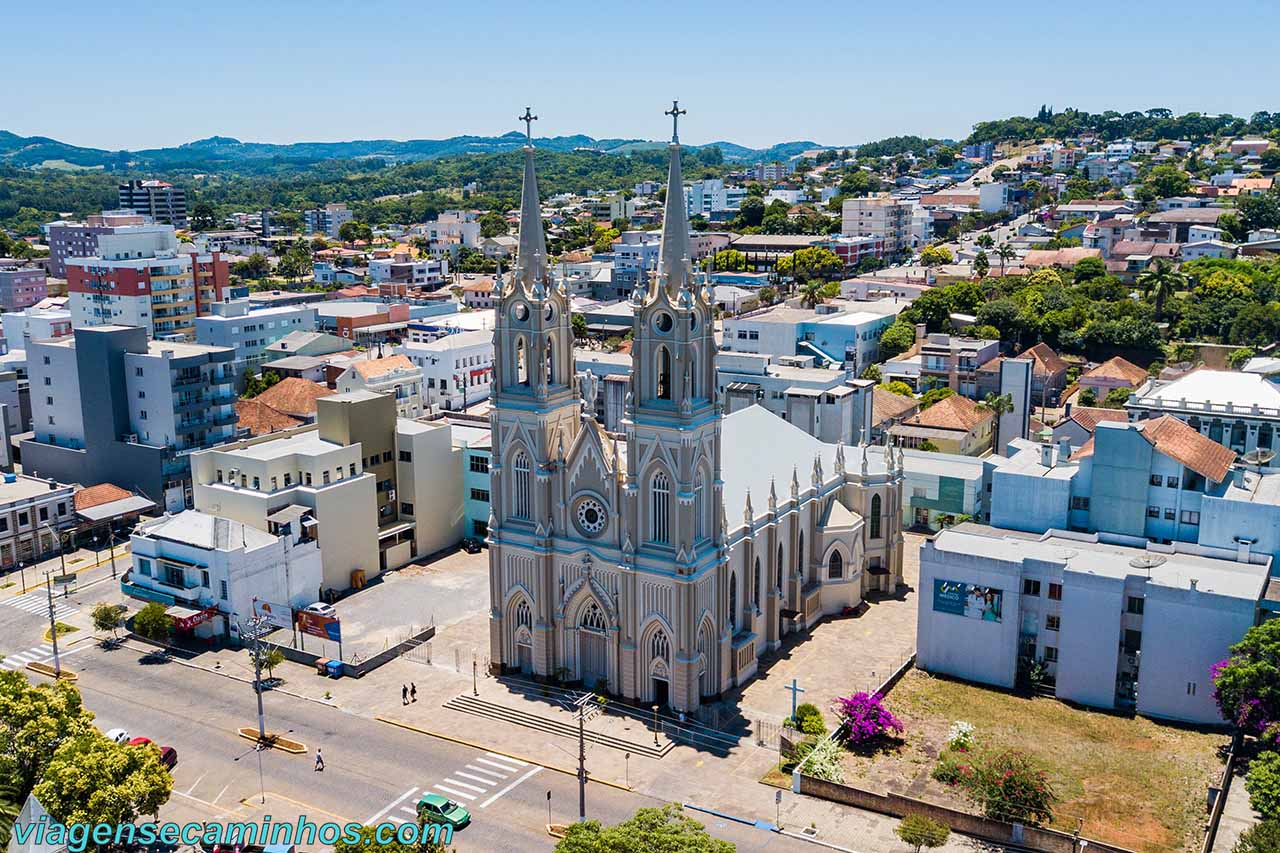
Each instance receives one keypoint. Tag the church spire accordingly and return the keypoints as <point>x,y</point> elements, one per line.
<point>673,254</point>
<point>531,259</point>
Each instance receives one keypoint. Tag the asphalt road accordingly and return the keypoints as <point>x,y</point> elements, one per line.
<point>374,771</point>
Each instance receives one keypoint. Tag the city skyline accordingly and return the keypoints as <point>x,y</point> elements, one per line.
<point>303,79</point>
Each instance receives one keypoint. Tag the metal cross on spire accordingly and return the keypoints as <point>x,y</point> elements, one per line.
<point>675,112</point>
<point>528,118</point>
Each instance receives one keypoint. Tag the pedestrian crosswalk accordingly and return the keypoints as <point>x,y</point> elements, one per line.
<point>476,784</point>
<point>37,602</point>
<point>40,654</point>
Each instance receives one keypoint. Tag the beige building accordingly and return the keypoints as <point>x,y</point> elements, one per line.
<point>381,490</point>
<point>394,375</point>
<point>880,216</point>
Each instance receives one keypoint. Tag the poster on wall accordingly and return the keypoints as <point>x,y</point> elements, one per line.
<point>966,599</point>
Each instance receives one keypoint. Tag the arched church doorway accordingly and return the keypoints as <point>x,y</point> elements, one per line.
<point>592,648</point>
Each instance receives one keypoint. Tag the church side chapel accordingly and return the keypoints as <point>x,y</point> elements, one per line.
<point>659,565</point>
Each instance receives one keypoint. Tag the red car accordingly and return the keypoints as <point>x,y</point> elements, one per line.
<point>168,755</point>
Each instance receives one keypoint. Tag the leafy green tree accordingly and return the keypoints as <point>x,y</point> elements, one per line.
<point>255,384</point>
<point>35,720</point>
<point>368,842</point>
<point>1263,784</point>
<point>918,831</point>
<point>203,217</point>
<point>934,395</point>
<point>1161,280</point>
<point>1234,229</point>
<point>933,308</point>
<point>1256,325</point>
<point>935,256</point>
<point>152,622</point>
<point>1166,181</point>
<point>981,266</point>
<point>986,333</point>
<point>872,372</point>
<point>1263,836</point>
<point>927,446</point>
<point>1088,397</point>
<point>108,617</point>
<point>896,339</point>
<point>729,260</point>
<point>1005,253</point>
<point>493,224</point>
<point>579,324</point>
<point>604,238</point>
<point>811,294</point>
<point>997,404</point>
<point>810,262</point>
<point>1116,398</point>
<point>296,262</point>
<point>1246,686</point>
<point>254,266</point>
<point>985,241</point>
<point>1238,357</point>
<point>768,295</point>
<point>1259,211</point>
<point>94,780</point>
<point>352,231</point>
<point>899,387</point>
<point>1087,269</point>
<point>750,213</point>
<point>664,830</point>
<point>10,807</point>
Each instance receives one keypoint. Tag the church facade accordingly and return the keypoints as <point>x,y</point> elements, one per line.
<point>661,562</point>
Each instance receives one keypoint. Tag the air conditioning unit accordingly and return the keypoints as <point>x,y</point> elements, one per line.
<point>391,494</point>
<point>131,438</point>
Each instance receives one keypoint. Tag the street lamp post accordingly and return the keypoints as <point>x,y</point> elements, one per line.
<point>655,725</point>
<point>62,556</point>
<point>53,629</point>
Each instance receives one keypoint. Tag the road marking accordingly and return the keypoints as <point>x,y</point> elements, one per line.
<point>197,782</point>
<point>453,781</point>
<point>42,653</point>
<point>408,811</point>
<point>449,790</point>
<point>500,766</point>
<point>398,800</point>
<point>220,793</point>
<point>487,770</point>
<point>510,787</point>
<point>38,603</point>
<point>474,778</point>
<point>514,761</point>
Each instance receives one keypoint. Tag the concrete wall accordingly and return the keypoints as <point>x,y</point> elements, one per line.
<point>1028,501</point>
<point>1089,642</point>
<point>1121,466</point>
<point>432,483</point>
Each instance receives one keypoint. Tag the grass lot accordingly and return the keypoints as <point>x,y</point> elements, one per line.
<point>1130,781</point>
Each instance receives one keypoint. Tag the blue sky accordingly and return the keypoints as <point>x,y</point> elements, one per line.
<point>132,74</point>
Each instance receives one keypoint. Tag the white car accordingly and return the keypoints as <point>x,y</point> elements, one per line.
<point>118,735</point>
<point>321,608</point>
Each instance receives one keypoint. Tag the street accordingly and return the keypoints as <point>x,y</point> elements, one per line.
<point>373,771</point>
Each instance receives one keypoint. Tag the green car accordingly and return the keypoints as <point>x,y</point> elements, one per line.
<point>433,808</point>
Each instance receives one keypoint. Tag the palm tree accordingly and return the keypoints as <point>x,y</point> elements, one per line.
<point>1005,253</point>
<point>810,293</point>
<point>997,404</point>
<point>1160,281</point>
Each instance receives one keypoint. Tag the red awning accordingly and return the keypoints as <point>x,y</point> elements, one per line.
<point>186,623</point>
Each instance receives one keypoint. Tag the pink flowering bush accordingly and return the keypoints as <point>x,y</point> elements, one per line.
<point>865,718</point>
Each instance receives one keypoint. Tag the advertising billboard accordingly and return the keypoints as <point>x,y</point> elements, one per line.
<point>275,615</point>
<point>966,599</point>
<point>325,627</point>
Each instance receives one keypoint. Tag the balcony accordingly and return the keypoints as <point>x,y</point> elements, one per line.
<point>186,380</point>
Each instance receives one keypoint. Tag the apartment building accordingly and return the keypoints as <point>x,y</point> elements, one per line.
<point>21,286</point>
<point>844,335</point>
<point>950,361</point>
<point>80,239</point>
<point>881,216</point>
<point>34,324</point>
<point>635,253</point>
<point>160,200</point>
<point>395,375</point>
<point>249,331</point>
<point>382,490</point>
<point>703,198</point>
<point>326,220</point>
<point>142,276</point>
<point>429,273</point>
<point>456,369</point>
<point>110,406</point>
<point>33,514</point>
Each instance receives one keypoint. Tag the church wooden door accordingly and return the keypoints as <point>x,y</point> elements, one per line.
<point>595,668</point>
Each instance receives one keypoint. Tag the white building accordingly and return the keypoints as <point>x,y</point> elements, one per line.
<point>1240,410</point>
<point>880,216</point>
<point>326,220</point>
<point>249,332</point>
<point>394,375</point>
<point>195,561</point>
<point>456,369</point>
<point>37,324</point>
<point>1116,622</point>
<point>33,512</point>
<point>703,198</point>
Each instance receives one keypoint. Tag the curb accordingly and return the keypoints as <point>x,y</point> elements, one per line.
<point>45,669</point>
<point>473,745</point>
<point>284,744</point>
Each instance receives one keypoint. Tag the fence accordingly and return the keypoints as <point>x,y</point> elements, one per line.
<point>1217,800</point>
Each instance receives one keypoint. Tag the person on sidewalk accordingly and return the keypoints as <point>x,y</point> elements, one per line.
<point>319,761</point>
<point>404,695</point>
<point>413,692</point>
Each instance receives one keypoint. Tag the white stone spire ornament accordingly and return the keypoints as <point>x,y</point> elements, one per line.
<point>817,472</point>
<point>673,252</point>
<point>531,255</point>
<point>795,483</point>
<point>748,514</point>
<point>864,450</point>
<point>840,458</point>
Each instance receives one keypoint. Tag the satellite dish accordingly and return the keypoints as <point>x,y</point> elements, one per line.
<point>1148,561</point>
<point>1261,456</point>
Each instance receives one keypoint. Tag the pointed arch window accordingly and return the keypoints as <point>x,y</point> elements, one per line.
<point>522,362</point>
<point>520,508</point>
<point>660,646</point>
<point>663,390</point>
<point>835,566</point>
<point>800,558</point>
<point>593,619</point>
<point>551,360</point>
<point>777,577</point>
<point>660,507</point>
<point>524,615</point>
<point>875,516</point>
<point>699,507</point>
<point>755,584</point>
<point>733,601</point>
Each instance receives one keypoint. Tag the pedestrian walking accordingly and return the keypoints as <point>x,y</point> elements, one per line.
<point>413,692</point>
<point>319,761</point>
<point>404,695</point>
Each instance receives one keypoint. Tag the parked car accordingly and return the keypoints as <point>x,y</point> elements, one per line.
<point>433,808</point>
<point>168,757</point>
<point>321,608</point>
<point>471,546</point>
<point>118,735</point>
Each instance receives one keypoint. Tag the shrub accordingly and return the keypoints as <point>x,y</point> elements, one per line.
<point>960,736</point>
<point>1263,784</point>
<point>808,719</point>
<point>1262,837</point>
<point>919,831</point>
<point>952,770</point>
<point>824,761</point>
<point>107,617</point>
<point>865,718</point>
<point>1012,787</point>
<point>153,623</point>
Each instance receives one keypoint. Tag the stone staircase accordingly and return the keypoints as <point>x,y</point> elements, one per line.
<point>561,725</point>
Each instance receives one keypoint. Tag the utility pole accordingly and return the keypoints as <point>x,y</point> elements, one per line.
<point>582,765</point>
<point>256,625</point>
<point>53,629</point>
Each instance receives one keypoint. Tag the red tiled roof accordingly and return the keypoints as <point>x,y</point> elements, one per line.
<point>1118,368</point>
<point>1068,257</point>
<point>1088,417</point>
<point>1181,442</point>
<point>886,405</point>
<point>294,396</point>
<point>954,412</point>
<point>103,493</point>
<point>259,418</point>
<point>369,368</point>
